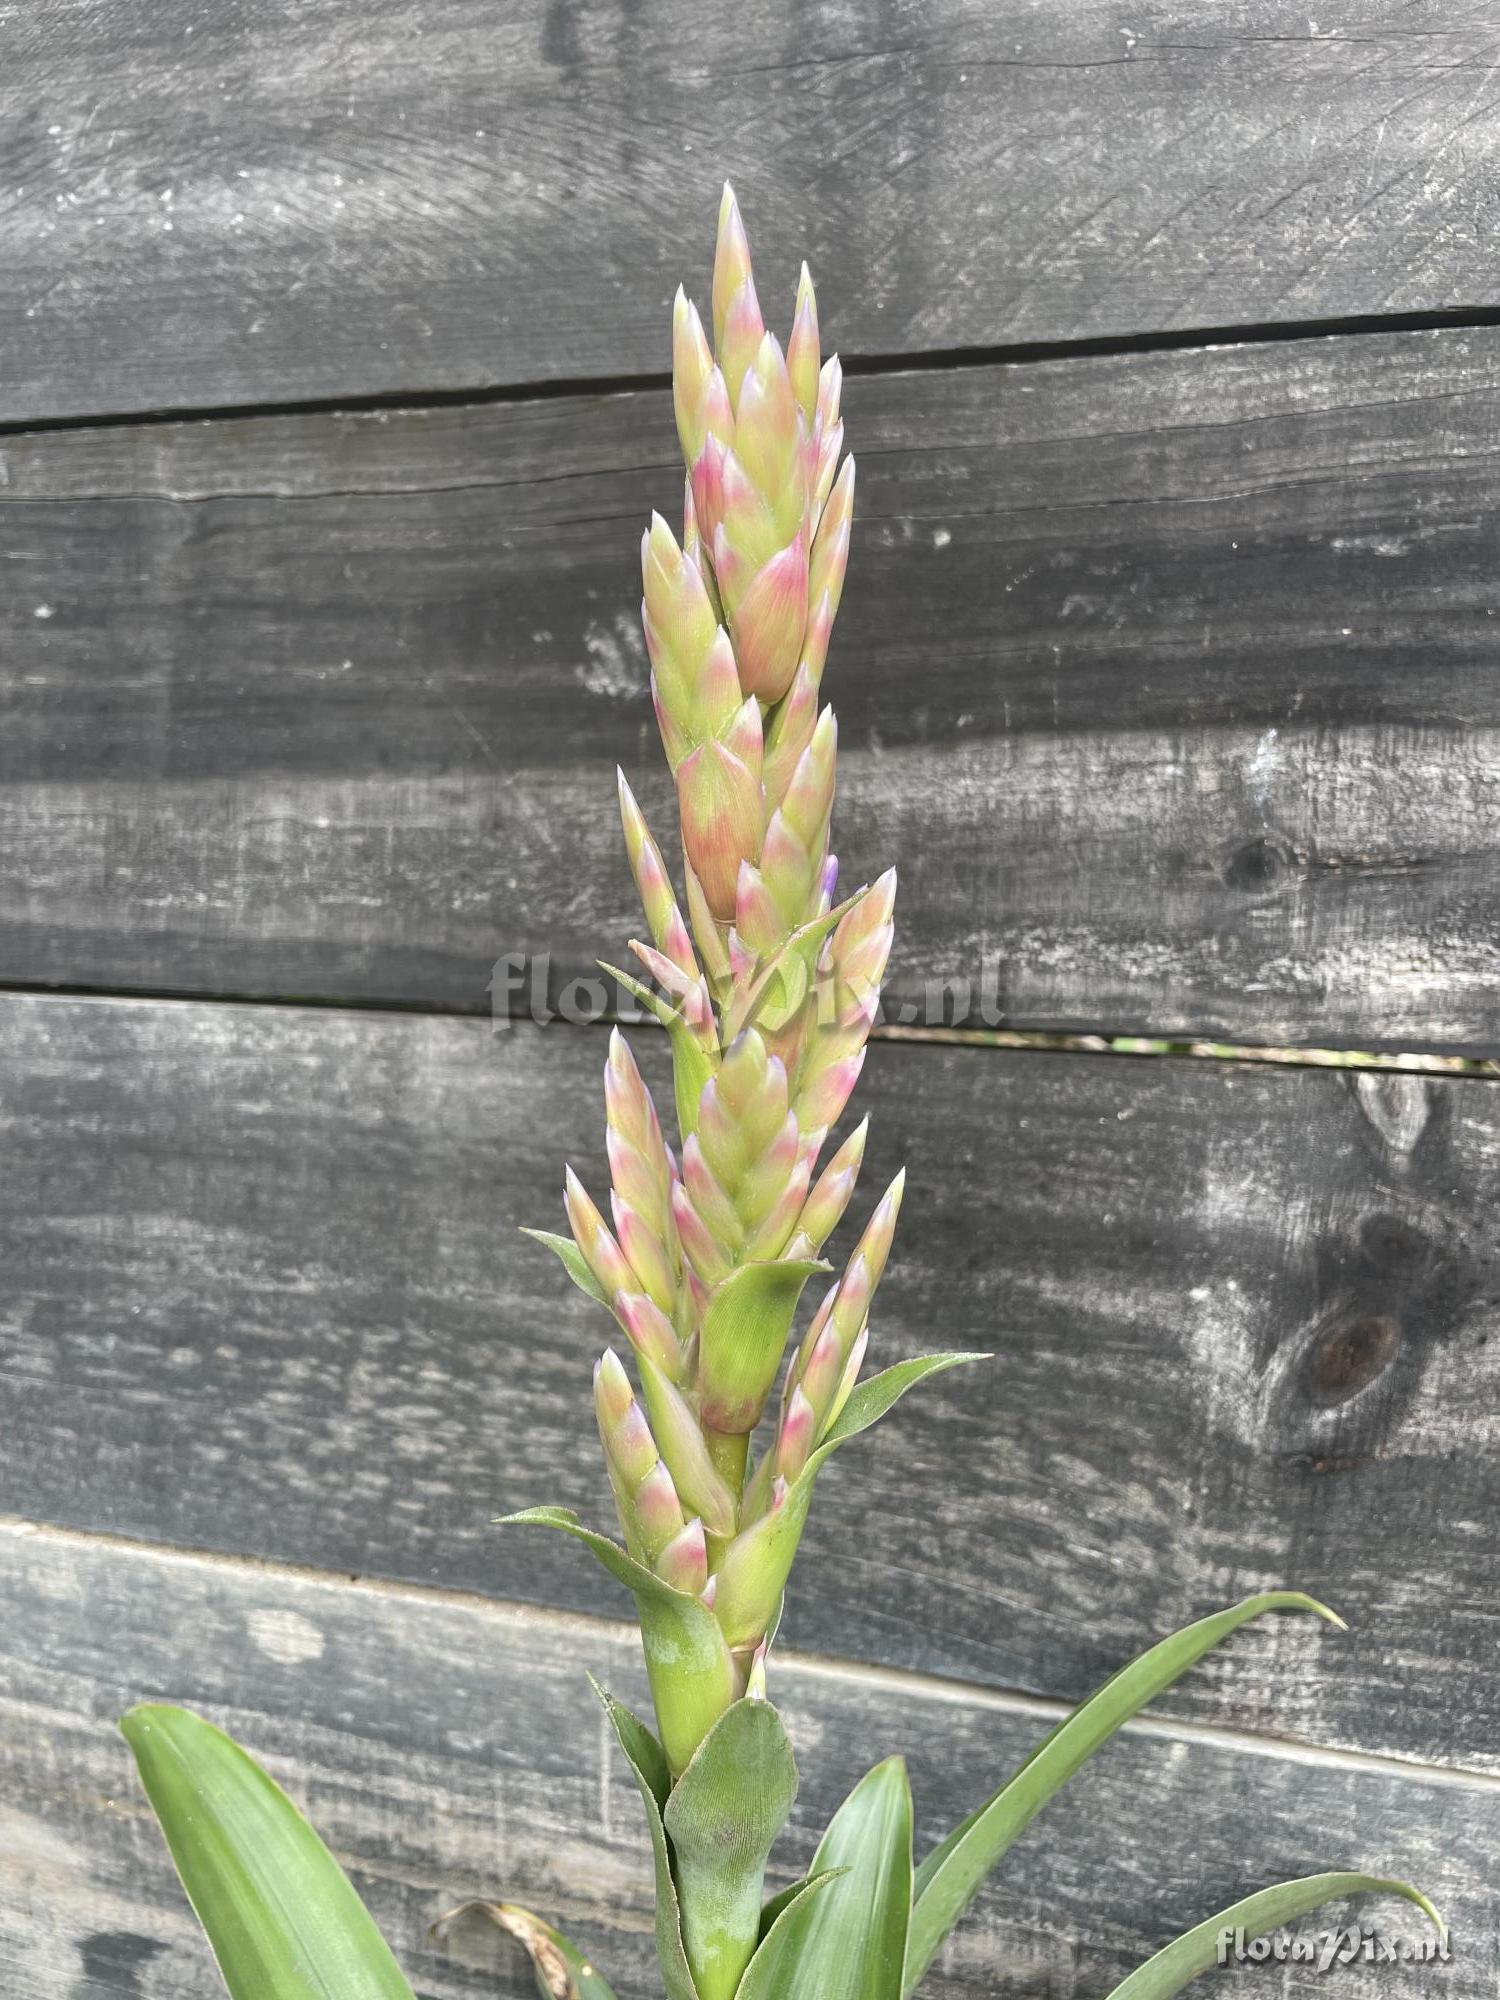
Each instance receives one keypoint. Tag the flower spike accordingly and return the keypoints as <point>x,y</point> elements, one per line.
<point>768,986</point>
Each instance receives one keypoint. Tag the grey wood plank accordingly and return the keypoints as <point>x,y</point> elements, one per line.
<point>1167,679</point>
<point>447,1749</point>
<point>264,1294</point>
<point>210,205</point>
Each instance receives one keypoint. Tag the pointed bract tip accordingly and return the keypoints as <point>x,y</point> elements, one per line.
<point>768,356</point>
<point>612,1384</point>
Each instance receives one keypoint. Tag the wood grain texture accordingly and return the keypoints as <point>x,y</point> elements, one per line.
<point>1168,679</point>
<point>449,1749</point>
<point>264,1294</point>
<point>254,204</point>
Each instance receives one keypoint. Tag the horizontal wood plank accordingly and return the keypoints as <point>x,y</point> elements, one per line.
<point>447,1749</point>
<point>264,1294</point>
<point>1169,682</point>
<point>212,206</point>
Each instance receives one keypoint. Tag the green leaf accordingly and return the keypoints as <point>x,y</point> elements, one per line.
<point>745,1326</point>
<point>870,1400</point>
<point>562,1971</point>
<point>793,1893</point>
<point>282,1918</point>
<point>722,1818</point>
<point>948,1878</point>
<point>648,1762</point>
<point>573,1261</point>
<point>756,1566</point>
<point>1198,1949</point>
<point>848,1941</point>
<point>692,1676</point>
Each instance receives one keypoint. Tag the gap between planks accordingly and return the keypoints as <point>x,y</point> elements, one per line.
<point>1086,1041</point>
<point>898,1682</point>
<point>923,360</point>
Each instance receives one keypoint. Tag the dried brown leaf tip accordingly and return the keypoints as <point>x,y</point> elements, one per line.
<point>554,1975</point>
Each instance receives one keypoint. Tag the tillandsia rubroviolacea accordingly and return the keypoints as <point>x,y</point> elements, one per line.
<point>767,981</point>
<point>768,984</point>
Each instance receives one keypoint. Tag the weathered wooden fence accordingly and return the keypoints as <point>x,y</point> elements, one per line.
<point>331,351</point>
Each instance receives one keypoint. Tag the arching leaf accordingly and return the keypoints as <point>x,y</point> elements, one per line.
<point>281,1915</point>
<point>948,1878</point>
<point>1198,1949</point>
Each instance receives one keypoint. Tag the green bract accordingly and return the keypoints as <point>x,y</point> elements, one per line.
<point>767,982</point>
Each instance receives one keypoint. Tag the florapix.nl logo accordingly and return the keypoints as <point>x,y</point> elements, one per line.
<point>1325,1951</point>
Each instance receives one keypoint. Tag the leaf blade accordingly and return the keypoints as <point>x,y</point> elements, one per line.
<point>950,1875</point>
<point>572,1259</point>
<point>870,1400</point>
<point>848,1941</point>
<point>688,1664</point>
<point>722,1818</point>
<point>1196,1950</point>
<point>648,1766</point>
<point>562,1971</point>
<point>740,1604</point>
<point>805,1885</point>
<point>281,1916</point>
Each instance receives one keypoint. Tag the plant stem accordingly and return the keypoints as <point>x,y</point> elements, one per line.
<point>730,1452</point>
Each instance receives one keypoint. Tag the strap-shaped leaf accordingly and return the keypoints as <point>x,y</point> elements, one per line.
<point>281,1915</point>
<point>562,1971</point>
<point>1198,1949</point>
<point>792,1893</point>
<point>692,1676</point>
<point>648,1763</point>
<point>948,1878</point>
<point>847,1941</point>
<point>722,1818</point>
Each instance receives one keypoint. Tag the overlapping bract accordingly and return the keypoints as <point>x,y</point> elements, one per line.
<point>768,985</point>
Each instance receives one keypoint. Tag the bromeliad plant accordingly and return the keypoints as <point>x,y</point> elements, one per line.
<point>766,980</point>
